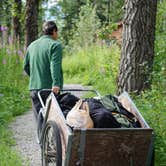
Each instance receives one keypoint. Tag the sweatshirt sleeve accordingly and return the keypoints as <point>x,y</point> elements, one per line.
<point>26,63</point>
<point>56,64</point>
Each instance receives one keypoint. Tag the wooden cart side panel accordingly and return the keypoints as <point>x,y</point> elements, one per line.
<point>75,147</point>
<point>111,147</point>
<point>56,115</point>
<point>126,101</point>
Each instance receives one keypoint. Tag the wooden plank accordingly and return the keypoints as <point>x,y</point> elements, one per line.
<point>75,156</point>
<point>56,115</point>
<point>112,147</point>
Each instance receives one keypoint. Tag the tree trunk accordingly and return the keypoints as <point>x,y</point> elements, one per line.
<point>16,21</point>
<point>31,21</point>
<point>137,45</point>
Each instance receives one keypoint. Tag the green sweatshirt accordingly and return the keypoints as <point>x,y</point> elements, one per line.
<point>43,63</point>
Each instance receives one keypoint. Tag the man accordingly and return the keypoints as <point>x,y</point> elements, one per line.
<point>43,64</point>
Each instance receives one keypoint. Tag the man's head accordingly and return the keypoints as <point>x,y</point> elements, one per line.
<point>50,28</point>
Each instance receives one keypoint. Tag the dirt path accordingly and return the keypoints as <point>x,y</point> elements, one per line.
<point>25,135</point>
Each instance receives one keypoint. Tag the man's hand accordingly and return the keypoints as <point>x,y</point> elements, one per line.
<point>56,89</point>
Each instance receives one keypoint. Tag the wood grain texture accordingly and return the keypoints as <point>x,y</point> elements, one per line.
<point>112,147</point>
<point>56,115</point>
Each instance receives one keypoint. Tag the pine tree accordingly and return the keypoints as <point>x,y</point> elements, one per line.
<point>137,45</point>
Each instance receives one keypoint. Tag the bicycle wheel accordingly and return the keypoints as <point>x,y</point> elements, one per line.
<point>51,145</point>
<point>39,127</point>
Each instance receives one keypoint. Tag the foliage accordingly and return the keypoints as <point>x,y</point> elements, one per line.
<point>106,10</point>
<point>105,31</point>
<point>5,7</point>
<point>86,27</point>
<point>90,65</point>
<point>155,99</point>
<point>12,85</point>
<point>7,156</point>
<point>13,100</point>
<point>68,14</point>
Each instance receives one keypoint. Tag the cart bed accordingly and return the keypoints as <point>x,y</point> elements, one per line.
<point>105,147</point>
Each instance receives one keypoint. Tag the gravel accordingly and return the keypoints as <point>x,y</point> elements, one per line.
<point>25,134</point>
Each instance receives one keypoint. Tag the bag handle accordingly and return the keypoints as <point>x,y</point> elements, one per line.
<point>77,105</point>
<point>86,107</point>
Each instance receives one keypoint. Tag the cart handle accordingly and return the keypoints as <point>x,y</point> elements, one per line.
<point>85,90</point>
<point>63,90</point>
<point>39,95</point>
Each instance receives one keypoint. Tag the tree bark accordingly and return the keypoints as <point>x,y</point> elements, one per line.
<point>138,37</point>
<point>16,21</point>
<point>31,21</point>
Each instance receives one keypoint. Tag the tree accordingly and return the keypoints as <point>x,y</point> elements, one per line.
<point>137,54</point>
<point>17,6</point>
<point>108,10</point>
<point>86,27</point>
<point>70,14</point>
<point>31,20</point>
<point>5,21</point>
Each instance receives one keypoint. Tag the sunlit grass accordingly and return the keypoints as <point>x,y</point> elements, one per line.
<point>95,66</point>
<point>8,157</point>
<point>14,100</point>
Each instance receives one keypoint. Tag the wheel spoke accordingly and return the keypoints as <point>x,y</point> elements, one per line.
<point>51,145</point>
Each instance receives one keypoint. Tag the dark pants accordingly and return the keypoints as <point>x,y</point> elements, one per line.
<point>36,104</point>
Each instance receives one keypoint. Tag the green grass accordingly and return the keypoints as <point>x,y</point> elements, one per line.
<point>7,156</point>
<point>14,100</point>
<point>94,66</point>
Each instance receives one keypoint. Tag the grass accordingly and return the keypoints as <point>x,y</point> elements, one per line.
<point>93,65</point>
<point>14,100</point>
<point>7,156</point>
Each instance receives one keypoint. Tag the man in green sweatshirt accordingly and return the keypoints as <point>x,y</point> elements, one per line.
<point>43,64</point>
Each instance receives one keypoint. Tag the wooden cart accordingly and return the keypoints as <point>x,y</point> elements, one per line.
<point>97,146</point>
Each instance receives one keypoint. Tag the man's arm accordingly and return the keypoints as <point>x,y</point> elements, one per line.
<point>56,66</point>
<point>26,63</point>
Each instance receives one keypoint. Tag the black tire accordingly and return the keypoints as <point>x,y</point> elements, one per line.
<point>51,145</point>
<point>39,126</point>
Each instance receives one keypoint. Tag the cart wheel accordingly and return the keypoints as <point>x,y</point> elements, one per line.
<point>39,126</point>
<point>51,145</point>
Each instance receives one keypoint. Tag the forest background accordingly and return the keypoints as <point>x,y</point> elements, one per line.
<point>91,58</point>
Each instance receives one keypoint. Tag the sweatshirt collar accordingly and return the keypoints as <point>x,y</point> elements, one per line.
<point>46,36</point>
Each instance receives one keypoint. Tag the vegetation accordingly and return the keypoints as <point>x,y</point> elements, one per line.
<point>13,101</point>
<point>95,64</point>
<point>152,103</point>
